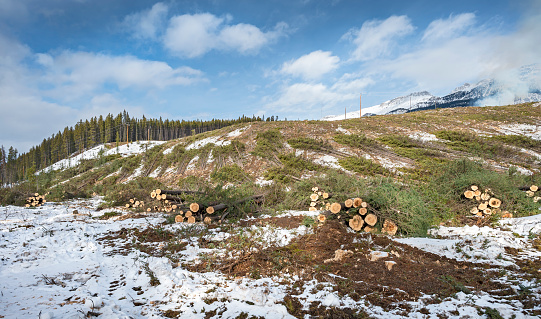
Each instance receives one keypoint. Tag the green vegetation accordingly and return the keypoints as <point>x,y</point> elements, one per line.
<point>306,143</point>
<point>231,173</point>
<point>355,140</point>
<point>477,145</point>
<point>363,166</point>
<point>268,144</point>
<point>292,168</point>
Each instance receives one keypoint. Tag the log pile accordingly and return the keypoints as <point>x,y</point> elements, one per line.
<point>486,203</point>
<point>35,200</point>
<point>134,203</point>
<point>354,211</point>
<point>532,191</point>
<point>176,202</point>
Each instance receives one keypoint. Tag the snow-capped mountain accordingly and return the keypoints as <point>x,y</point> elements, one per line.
<point>514,87</point>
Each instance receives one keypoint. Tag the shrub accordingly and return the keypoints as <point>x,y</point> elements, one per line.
<point>354,140</point>
<point>306,143</point>
<point>268,144</point>
<point>362,166</point>
<point>231,173</point>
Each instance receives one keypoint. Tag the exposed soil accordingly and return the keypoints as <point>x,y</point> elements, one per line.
<point>415,274</point>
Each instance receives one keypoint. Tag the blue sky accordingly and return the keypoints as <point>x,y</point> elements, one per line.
<point>62,60</point>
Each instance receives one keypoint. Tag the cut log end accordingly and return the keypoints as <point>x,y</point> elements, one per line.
<point>363,211</point>
<point>356,223</point>
<point>348,203</point>
<point>357,202</point>
<point>371,219</point>
<point>335,208</point>
<point>494,202</point>
<point>389,227</point>
<point>191,220</point>
<point>469,194</point>
<point>194,207</point>
<point>179,219</point>
<point>210,210</point>
<point>534,188</point>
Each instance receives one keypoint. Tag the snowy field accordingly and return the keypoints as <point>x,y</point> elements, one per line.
<point>56,262</point>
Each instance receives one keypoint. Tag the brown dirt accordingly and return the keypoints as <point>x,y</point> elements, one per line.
<point>416,273</point>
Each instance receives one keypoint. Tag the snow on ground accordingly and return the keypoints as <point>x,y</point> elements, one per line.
<point>238,132</point>
<point>138,171</point>
<point>482,244</point>
<point>424,137</point>
<point>343,130</point>
<point>53,265</point>
<point>329,161</point>
<point>124,150</point>
<point>533,131</point>
<point>209,140</point>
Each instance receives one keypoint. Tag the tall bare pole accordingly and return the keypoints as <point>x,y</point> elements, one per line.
<point>127,129</point>
<point>360,105</point>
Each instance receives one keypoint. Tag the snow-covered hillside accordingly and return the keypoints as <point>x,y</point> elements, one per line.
<point>101,150</point>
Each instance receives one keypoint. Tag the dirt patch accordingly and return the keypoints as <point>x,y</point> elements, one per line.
<point>415,273</point>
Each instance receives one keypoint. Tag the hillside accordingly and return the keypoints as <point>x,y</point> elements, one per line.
<point>268,254</point>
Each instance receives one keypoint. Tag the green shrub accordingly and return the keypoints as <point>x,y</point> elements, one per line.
<point>355,140</point>
<point>268,144</point>
<point>291,166</point>
<point>363,166</point>
<point>306,143</point>
<point>231,173</point>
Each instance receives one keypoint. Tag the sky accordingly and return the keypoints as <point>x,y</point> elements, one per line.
<point>66,60</point>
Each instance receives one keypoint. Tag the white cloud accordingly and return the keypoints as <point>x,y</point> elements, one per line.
<point>84,72</point>
<point>442,29</point>
<point>376,38</point>
<point>146,24</point>
<point>312,66</point>
<point>194,35</point>
<point>306,98</point>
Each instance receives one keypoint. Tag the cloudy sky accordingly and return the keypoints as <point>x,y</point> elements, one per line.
<point>65,60</point>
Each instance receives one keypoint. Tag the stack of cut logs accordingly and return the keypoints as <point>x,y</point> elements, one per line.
<point>170,203</point>
<point>36,200</point>
<point>354,208</point>
<point>531,192</point>
<point>486,204</point>
<point>173,202</point>
<point>135,203</point>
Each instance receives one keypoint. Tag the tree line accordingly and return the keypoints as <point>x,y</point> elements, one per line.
<point>86,134</point>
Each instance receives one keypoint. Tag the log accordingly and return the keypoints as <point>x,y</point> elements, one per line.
<point>153,194</point>
<point>188,214</point>
<point>215,208</point>
<point>483,206</point>
<point>326,195</point>
<point>348,203</point>
<point>364,204</point>
<point>477,192</point>
<point>357,202</point>
<point>207,220</point>
<point>363,211</point>
<point>487,211</point>
<point>485,196</point>
<point>494,202</point>
<point>371,219</point>
<point>534,188</point>
<point>389,227</point>
<point>313,204</point>
<point>178,192</point>
<point>321,218</point>
<point>474,210</point>
<point>356,223</point>
<point>194,207</point>
<point>314,197</point>
<point>474,188</point>
<point>312,209</point>
<point>158,191</point>
<point>337,207</point>
<point>179,219</point>
<point>468,194</point>
<point>191,220</point>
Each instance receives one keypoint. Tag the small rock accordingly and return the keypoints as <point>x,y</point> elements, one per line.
<point>389,264</point>
<point>377,255</point>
